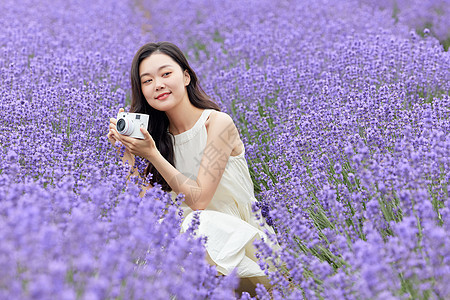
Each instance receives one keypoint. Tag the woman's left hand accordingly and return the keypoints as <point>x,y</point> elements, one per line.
<point>145,148</point>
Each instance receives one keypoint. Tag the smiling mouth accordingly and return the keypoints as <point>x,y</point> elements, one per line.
<point>163,96</point>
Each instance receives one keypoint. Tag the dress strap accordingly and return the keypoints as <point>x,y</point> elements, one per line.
<point>189,134</point>
<point>205,115</point>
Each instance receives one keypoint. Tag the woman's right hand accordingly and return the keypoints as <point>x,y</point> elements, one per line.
<point>113,135</point>
<point>127,158</point>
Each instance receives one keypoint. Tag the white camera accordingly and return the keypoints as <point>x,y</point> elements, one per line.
<point>130,123</point>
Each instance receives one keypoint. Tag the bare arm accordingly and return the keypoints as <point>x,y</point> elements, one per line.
<point>127,158</point>
<point>222,138</point>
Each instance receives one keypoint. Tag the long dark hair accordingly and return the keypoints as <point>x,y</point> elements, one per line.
<point>159,122</point>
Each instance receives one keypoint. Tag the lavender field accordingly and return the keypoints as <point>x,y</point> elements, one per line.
<point>344,110</point>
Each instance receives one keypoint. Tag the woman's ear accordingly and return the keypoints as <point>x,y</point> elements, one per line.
<point>187,78</point>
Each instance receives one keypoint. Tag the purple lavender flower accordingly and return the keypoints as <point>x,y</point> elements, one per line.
<point>343,110</point>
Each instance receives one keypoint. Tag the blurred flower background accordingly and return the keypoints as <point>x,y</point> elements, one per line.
<point>344,110</point>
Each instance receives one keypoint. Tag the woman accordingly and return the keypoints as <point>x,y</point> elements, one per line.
<point>195,149</point>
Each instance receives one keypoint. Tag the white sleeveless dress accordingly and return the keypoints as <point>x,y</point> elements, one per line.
<point>228,221</point>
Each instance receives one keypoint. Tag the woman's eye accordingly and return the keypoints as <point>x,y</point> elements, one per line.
<point>166,74</point>
<point>147,81</point>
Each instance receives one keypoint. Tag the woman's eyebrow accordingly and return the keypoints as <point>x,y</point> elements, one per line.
<point>162,67</point>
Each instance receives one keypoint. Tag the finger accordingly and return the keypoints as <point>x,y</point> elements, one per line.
<point>146,134</point>
<point>111,139</point>
<point>113,121</point>
<point>128,140</point>
<point>112,127</point>
<point>116,135</point>
<point>110,134</point>
<point>117,138</point>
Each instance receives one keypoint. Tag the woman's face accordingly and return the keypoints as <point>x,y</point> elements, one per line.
<point>163,82</point>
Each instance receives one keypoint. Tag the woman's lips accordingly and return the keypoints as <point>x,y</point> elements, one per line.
<point>163,96</point>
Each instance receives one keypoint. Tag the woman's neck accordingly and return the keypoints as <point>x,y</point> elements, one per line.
<point>183,117</point>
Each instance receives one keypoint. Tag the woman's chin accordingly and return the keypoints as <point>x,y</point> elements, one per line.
<point>162,105</point>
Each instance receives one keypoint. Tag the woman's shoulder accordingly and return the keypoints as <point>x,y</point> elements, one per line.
<point>219,120</point>
<point>221,126</point>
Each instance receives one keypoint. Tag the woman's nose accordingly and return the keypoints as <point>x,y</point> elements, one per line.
<point>159,84</point>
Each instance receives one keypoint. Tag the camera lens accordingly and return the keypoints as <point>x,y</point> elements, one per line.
<point>125,126</point>
<point>121,125</point>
